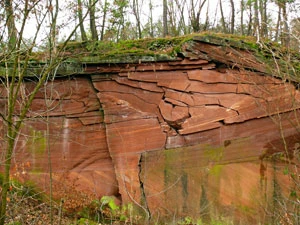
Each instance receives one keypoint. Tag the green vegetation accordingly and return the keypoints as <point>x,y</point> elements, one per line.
<point>37,141</point>
<point>267,53</point>
<point>159,48</point>
<point>128,50</point>
<point>26,190</point>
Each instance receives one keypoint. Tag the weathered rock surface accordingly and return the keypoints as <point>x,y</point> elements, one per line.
<point>65,133</point>
<point>175,138</point>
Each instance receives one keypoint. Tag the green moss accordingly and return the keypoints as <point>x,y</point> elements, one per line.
<point>167,49</point>
<point>213,153</point>
<point>159,49</point>
<point>216,170</point>
<point>27,189</point>
<point>37,142</point>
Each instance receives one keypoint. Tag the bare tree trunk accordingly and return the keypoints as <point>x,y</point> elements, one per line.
<point>181,23</point>
<point>256,19</point>
<point>285,31</point>
<point>165,18</point>
<point>151,32</point>
<point>222,18</point>
<point>265,19</point>
<point>263,16</point>
<point>54,31</point>
<point>93,28</point>
<point>278,24</point>
<point>11,26</point>
<point>195,15</point>
<point>250,25</point>
<point>80,18</point>
<point>105,8</point>
<point>53,53</point>
<point>136,12</point>
<point>172,19</point>
<point>242,17</point>
<point>16,70</point>
<point>206,18</point>
<point>232,16</point>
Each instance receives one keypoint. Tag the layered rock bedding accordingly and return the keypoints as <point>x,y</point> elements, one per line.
<point>190,136</point>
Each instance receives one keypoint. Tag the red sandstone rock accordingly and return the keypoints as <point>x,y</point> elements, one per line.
<point>219,125</point>
<point>210,76</point>
<point>79,157</point>
<point>170,176</point>
<point>88,118</point>
<point>125,141</point>
<point>122,107</point>
<point>205,118</point>
<point>173,115</point>
<point>192,99</point>
<point>172,66</point>
<point>157,76</point>
<point>200,87</point>
<point>175,141</point>
<point>142,85</point>
<point>231,76</point>
<point>147,96</point>
<point>188,62</point>
<point>228,56</point>
<point>175,102</point>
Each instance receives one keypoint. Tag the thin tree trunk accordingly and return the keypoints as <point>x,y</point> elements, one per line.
<point>104,19</point>
<point>195,16</point>
<point>285,33</point>
<point>7,164</point>
<point>242,17</point>
<point>178,11</point>
<point>80,18</point>
<point>256,19</point>
<point>11,132</point>
<point>222,18</point>
<point>165,18</point>
<point>182,20</point>
<point>206,18</point>
<point>93,20</point>
<point>136,12</point>
<point>11,26</point>
<point>278,24</point>
<point>53,31</point>
<point>53,52</point>
<point>232,16</point>
<point>250,25</point>
<point>14,80</point>
<point>151,32</point>
<point>263,16</point>
<point>172,20</point>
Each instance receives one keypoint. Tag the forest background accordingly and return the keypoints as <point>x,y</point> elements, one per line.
<point>115,20</point>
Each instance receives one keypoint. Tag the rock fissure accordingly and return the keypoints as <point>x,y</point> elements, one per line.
<point>143,193</point>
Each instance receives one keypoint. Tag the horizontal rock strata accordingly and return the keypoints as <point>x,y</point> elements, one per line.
<point>175,134</point>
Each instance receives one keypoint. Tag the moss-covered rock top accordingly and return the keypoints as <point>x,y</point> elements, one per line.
<point>271,57</point>
<point>158,49</point>
<point>167,49</point>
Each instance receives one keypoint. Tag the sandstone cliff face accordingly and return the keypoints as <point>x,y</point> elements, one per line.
<point>189,137</point>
